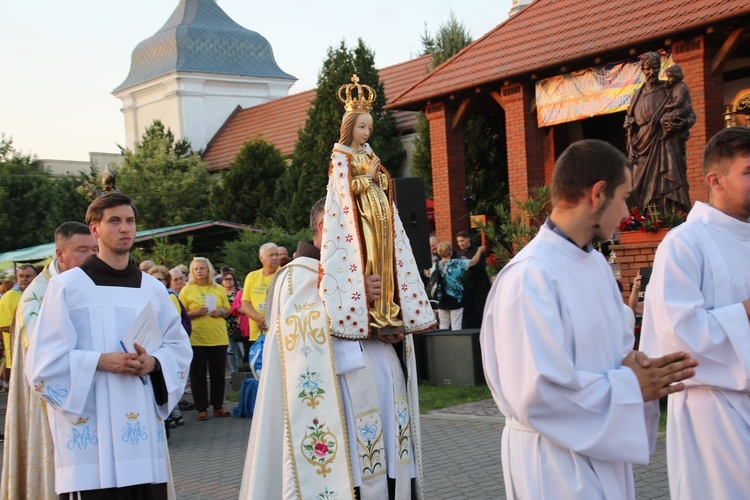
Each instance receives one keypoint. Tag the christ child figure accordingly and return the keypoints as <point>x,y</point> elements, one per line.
<point>678,110</point>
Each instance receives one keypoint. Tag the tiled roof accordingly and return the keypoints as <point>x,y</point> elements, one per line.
<point>279,121</point>
<point>550,33</point>
<point>398,78</point>
<point>200,37</point>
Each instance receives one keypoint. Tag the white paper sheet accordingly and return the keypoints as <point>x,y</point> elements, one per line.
<point>144,331</point>
<point>211,302</point>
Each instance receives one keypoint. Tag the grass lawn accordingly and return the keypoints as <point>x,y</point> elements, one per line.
<point>434,397</point>
<point>663,415</point>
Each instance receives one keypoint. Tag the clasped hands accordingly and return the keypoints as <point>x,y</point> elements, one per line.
<point>138,363</point>
<point>374,170</point>
<point>203,311</point>
<point>659,377</point>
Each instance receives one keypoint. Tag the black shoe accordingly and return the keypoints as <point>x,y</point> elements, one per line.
<point>2,437</point>
<point>185,405</point>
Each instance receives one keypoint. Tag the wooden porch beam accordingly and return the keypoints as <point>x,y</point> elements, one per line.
<point>727,48</point>
<point>460,113</point>
<point>496,96</point>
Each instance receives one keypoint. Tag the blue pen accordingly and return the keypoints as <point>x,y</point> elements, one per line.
<point>122,344</point>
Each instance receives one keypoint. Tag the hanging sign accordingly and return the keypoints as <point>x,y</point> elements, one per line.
<point>590,92</point>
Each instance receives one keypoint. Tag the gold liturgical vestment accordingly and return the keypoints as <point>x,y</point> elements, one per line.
<point>375,218</point>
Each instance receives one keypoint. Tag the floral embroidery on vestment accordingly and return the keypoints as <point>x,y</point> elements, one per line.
<point>311,392</point>
<point>370,444</point>
<point>319,447</point>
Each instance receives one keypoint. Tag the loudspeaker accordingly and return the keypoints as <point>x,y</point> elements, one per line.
<point>453,357</point>
<point>412,208</point>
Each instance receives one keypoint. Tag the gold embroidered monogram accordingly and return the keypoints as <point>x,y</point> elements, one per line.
<point>304,331</point>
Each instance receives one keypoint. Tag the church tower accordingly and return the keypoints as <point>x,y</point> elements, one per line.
<point>195,71</point>
<point>517,6</point>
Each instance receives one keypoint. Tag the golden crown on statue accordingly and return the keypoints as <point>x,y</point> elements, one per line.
<point>365,96</point>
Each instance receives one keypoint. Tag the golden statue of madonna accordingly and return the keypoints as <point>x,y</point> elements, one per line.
<point>363,236</point>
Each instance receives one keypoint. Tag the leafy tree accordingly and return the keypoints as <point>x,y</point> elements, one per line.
<point>166,254</point>
<point>508,235</point>
<point>167,180</point>
<point>305,181</point>
<point>34,203</point>
<point>451,37</point>
<point>245,193</point>
<point>242,253</point>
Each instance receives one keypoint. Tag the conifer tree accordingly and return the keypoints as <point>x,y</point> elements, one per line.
<point>451,37</point>
<point>305,181</point>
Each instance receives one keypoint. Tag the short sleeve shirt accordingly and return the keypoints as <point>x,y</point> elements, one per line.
<point>255,290</point>
<point>207,331</point>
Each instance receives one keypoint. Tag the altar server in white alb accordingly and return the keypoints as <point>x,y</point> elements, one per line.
<point>28,457</point>
<point>698,300</point>
<point>557,349</point>
<point>106,407</point>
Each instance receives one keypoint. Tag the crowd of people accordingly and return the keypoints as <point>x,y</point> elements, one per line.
<point>199,314</point>
<point>100,349</point>
<point>222,318</point>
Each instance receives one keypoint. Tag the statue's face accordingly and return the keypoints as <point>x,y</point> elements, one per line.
<point>362,130</point>
<point>650,70</point>
<point>674,77</point>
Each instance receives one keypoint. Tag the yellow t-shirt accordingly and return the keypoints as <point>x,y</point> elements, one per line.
<point>255,289</point>
<point>207,331</point>
<point>8,303</point>
<point>175,302</point>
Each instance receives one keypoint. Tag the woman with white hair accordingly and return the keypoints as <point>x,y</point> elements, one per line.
<point>208,307</point>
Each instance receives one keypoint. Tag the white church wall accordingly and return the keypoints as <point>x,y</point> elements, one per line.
<point>193,106</point>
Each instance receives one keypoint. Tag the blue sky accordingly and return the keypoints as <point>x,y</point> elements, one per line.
<point>61,60</point>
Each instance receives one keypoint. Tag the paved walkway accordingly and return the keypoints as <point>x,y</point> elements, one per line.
<point>461,448</point>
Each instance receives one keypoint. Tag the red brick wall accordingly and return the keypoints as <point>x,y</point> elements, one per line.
<point>531,151</point>
<point>528,146</point>
<point>707,93</point>
<point>448,172</point>
<point>631,258</point>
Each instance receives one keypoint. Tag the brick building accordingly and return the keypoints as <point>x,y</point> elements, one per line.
<point>501,73</point>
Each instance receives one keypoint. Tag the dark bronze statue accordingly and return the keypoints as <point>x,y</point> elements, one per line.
<point>657,123</point>
<point>108,180</point>
<point>89,189</point>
